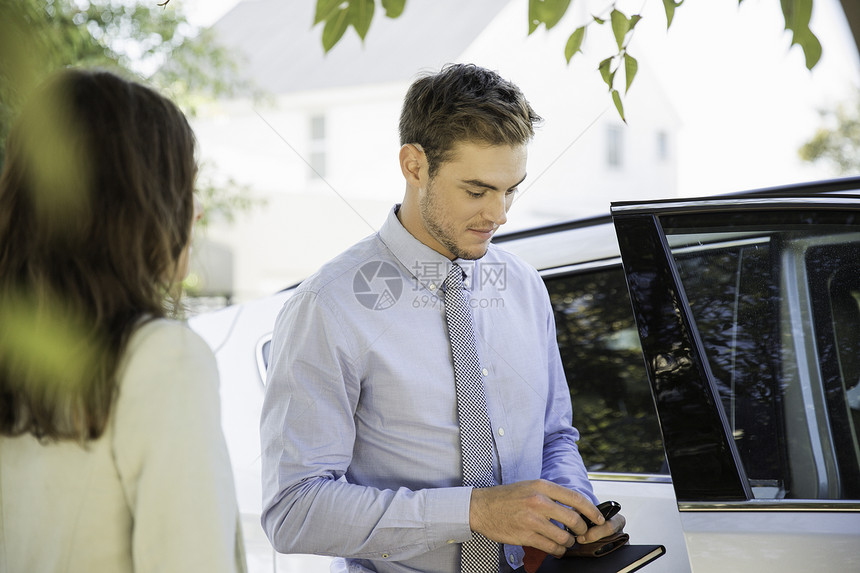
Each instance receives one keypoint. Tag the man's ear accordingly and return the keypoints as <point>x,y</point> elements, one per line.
<point>413,164</point>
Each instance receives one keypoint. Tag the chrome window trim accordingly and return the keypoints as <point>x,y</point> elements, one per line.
<point>806,354</point>
<point>794,505</point>
<point>580,267</point>
<point>638,478</point>
<point>713,246</point>
<point>787,201</point>
<point>821,425</point>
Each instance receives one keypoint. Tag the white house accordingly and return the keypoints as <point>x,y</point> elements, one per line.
<point>322,153</point>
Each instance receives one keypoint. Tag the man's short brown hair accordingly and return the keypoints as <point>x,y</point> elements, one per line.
<point>464,103</point>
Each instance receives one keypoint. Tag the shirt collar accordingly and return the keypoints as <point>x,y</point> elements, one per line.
<point>427,267</point>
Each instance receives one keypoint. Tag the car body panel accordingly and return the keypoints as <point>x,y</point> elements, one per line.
<point>771,542</point>
<point>651,513</point>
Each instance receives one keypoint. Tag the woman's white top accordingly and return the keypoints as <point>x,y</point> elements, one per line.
<point>154,493</point>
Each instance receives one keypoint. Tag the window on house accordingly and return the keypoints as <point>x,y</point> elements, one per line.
<point>317,158</point>
<point>614,143</point>
<point>662,146</point>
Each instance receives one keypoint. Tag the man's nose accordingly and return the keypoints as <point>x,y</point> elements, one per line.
<point>497,211</point>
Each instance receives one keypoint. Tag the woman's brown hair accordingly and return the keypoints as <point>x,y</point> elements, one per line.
<point>96,207</point>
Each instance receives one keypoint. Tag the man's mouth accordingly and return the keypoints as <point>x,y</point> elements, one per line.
<point>484,234</point>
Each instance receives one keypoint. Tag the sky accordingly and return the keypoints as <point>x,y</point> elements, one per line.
<point>744,96</point>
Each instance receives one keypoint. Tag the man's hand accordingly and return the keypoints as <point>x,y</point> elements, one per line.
<point>598,532</point>
<point>520,514</point>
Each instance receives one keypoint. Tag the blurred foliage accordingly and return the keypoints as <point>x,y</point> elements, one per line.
<point>837,142</point>
<point>143,41</point>
<point>31,325</point>
<point>337,16</point>
<point>222,198</point>
<point>612,405</point>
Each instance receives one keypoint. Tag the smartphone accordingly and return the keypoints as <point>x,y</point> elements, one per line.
<point>607,508</point>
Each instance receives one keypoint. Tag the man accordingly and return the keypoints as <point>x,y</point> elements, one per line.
<point>361,424</point>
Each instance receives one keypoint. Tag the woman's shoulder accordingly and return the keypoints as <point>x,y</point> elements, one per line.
<point>166,337</point>
<point>164,352</point>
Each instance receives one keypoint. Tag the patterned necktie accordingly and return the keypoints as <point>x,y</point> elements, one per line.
<point>479,554</point>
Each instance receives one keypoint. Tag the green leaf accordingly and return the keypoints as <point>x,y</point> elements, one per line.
<point>554,10</point>
<point>534,15</point>
<point>797,14</point>
<point>534,21</point>
<point>326,9</point>
<point>393,8</point>
<point>360,15</point>
<point>811,49</point>
<point>669,6</point>
<point>631,66</point>
<point>634,19</point>
<point>605,71</point>
<point>788,11</point>
<point>620,26</point>
<point>334,28</point>
<point>616,97</point>
<point>546,12</point>
<point>574,43</point>
<point>600,21</point>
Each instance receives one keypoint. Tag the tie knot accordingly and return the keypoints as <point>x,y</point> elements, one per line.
<point>454,278</point>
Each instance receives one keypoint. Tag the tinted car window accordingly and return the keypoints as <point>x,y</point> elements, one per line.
<point>776,305</point>
<point>834,280</point>
<point>602,357</point>
<point>733,294</point>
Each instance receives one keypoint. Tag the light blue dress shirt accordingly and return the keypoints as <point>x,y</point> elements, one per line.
<point>360,438</point>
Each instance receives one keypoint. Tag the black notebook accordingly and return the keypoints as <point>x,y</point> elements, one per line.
<point>625,559</point>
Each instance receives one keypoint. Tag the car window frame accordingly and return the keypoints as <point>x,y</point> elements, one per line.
<point>703,460</point>
<point>654,283</point>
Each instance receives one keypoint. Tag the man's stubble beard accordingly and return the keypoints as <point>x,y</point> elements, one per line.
<point>428,208</point>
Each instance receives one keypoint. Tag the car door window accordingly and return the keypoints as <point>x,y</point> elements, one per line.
<point>775,300</point>
<point>833,272</point>
<point>602,358</point>
<point>733,296</point>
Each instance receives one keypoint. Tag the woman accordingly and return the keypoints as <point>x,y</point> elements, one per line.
<point>112,457</point>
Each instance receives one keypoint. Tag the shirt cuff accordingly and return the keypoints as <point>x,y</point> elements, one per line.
<point>446,513</point>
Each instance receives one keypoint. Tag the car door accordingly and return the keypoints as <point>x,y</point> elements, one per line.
<point>748,313</point>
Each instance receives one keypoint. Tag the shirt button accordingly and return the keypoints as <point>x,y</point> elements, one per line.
<point>432,286</point>
<point>385,555</point>
<point>501,431</point>
<point>485,372</point>
<point>450,541</point>
<point>512,558</point>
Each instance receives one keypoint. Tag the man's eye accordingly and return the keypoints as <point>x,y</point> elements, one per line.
<point>475,195</point>
<point>511,191</point>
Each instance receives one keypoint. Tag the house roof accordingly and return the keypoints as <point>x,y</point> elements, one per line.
<point>283,50</point>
